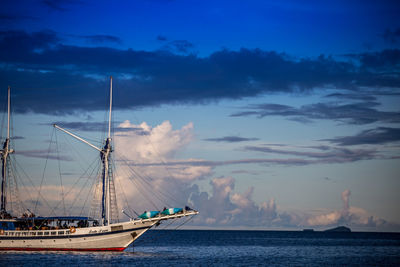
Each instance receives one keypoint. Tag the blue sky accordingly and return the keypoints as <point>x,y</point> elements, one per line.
<point>265,115</point>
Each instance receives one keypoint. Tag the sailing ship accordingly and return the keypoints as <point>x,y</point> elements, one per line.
<point>76,233</point>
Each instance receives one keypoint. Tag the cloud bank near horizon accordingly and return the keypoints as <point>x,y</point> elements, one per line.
<point>226,208</point>
<point>150,186</point>
<point>222,206</point>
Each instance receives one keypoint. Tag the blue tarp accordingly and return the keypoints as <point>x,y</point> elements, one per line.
<point>171,211</point>
<point>149,214</point>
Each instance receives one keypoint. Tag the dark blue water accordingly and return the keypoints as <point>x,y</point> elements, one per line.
<point>232,248</point>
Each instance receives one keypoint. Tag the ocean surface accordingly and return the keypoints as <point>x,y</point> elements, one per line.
<point>231,248</point>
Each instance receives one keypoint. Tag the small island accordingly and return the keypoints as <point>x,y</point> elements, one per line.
<point>339,229</point>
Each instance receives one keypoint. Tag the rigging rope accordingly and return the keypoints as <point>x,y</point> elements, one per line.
<point>33,186</point>
<point>13,170</point>
<point>165,194</point>
<point>59,171</point>
<point>123,191</point>
<point>87,197</point>
<point>161,159</point>
<point>41,182</point>
<point>82,188</point>
<point>76,182</point>
<point>82,159</point>
<point>147,183</point>
<point>190,218</point>
<point>142,192</point>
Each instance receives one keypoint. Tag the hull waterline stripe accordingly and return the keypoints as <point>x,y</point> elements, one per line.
<point>64,249</point>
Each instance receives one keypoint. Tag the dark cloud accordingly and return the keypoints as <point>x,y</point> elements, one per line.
<point>352,96</point>
<point>210,163</point>
<point>96,127</point>
<point>53,93</point>
<point>391,36</point>
<point>245,172</point>
<point>82,126</point>
<point>332,155</point>
<point>384,64</point>
<point>179,47</point>
<point>380,135</point>
<point>70,78</point>
<point>301,157</point>
<point>15,18</point>
<point>17,137</point>
<point>298,156</point>
<point>60,5</point>
<point>182,46</point>
<point>352,113</point>
<point>161,38</point>
<point>327,179</point>
<point>23,48</point>
<point>43,154</point>
<point>231,139</point>
<point>321,147</point>
<point>100,39</point>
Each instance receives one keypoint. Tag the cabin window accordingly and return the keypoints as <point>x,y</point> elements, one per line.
<point>46,233</point>
<point>33,233</point>
<point>67,232</point>
<point>53,233</point>
<point>39,233</point>
<point>25,233</point>
<point>60,232</point>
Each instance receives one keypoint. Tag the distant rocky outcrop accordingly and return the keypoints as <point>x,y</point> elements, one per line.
<point>339,229</point>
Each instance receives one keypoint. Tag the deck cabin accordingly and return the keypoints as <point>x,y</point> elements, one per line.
<point>47,223</point>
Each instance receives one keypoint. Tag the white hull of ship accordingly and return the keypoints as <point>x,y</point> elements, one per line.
<point>114,237</point>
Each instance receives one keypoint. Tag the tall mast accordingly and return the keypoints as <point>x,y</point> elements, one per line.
<point>4,157</point>
<point>109,115</point>
<point>105,154</point>
<point>106,200</point>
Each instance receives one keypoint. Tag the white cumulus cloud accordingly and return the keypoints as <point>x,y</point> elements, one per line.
<point>159,185</point>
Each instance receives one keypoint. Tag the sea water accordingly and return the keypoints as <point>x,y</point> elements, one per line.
<point>231,248</point>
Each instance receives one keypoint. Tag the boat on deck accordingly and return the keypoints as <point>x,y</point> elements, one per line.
<point>76,233</point>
